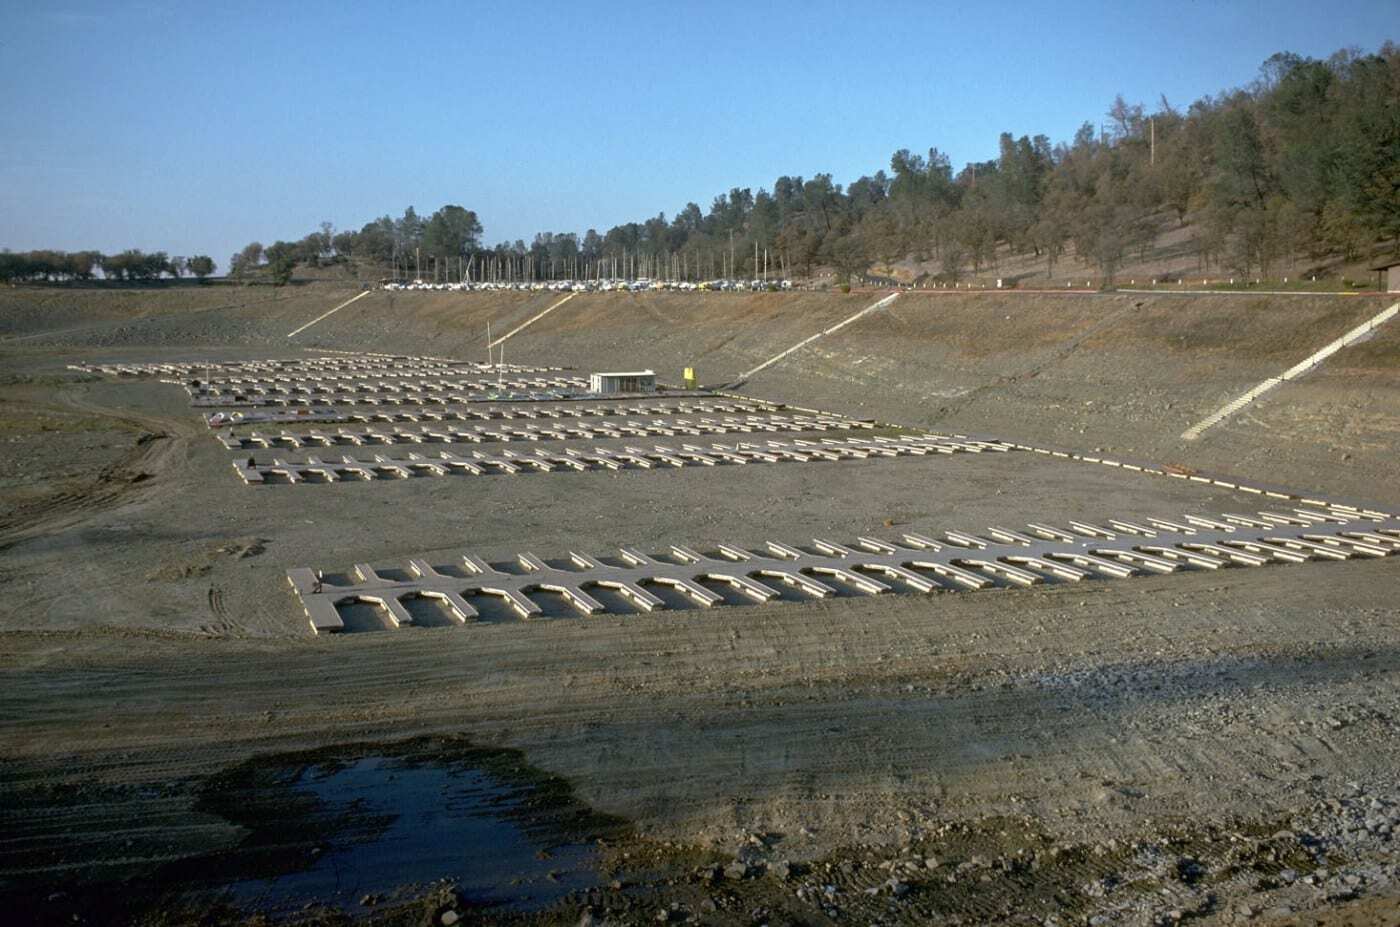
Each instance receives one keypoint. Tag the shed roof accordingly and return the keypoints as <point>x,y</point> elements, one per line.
<point>1387,264</point>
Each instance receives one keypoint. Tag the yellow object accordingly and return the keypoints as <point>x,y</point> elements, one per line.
<point>690,378</point>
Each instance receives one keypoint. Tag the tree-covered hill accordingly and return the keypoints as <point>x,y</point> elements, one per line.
<point>1299,169</point>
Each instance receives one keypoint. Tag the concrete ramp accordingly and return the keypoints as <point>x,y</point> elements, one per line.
<point>530,321</point>
<point>1300,369</point>
<point>296,331</point>
<point>743,377</point>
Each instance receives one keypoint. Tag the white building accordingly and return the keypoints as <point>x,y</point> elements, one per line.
<point>640,381</point>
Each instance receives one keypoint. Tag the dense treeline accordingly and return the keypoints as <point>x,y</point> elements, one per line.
<point>1301,166</point>
<point>84,265</point>
<point>450,233</point>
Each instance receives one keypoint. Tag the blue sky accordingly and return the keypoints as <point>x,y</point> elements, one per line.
<point>198,128</point>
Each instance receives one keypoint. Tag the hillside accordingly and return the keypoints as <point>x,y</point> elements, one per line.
<point>1124,372</point>
<point>1170,257</point>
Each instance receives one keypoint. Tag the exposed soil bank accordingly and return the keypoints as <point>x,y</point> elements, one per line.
<point>1126,372</point>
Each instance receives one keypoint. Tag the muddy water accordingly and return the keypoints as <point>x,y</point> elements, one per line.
<point>333,829</point>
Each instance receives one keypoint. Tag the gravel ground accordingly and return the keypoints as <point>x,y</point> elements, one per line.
<point>1212,746</point>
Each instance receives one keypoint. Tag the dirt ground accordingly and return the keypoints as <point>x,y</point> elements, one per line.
<point>1218,747</point>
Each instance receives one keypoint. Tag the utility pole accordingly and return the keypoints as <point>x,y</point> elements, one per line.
<point>1152,133</point>
<point>731,254</point>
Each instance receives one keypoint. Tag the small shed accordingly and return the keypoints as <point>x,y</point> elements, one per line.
<point>636,381</point>
<point>1388,276</point>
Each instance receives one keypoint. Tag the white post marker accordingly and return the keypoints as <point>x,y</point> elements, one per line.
<point>1292,373</point>
<point>323,315</point>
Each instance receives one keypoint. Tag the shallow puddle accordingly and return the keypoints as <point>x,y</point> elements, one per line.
<point>334,828</point>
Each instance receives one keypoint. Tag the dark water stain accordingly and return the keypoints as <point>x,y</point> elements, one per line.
<point>330,827</point>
